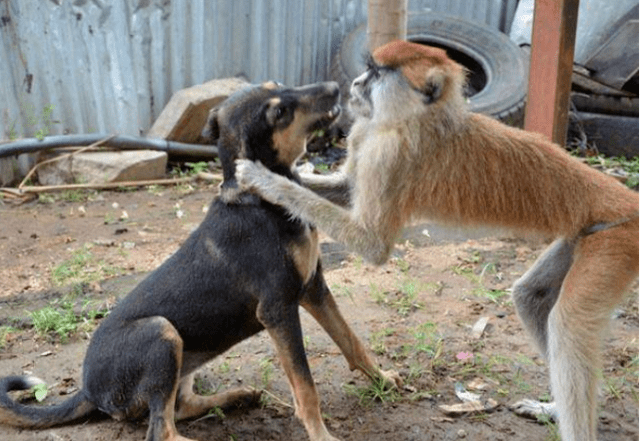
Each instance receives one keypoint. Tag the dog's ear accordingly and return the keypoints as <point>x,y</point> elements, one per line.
<point>211,130</point>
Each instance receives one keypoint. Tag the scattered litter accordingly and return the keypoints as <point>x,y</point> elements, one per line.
<point>464,356</point>
<point>45,354</point>
<point>124,215</point>
<point>104,242</point>
<point>469,407</point>
<point>479,327</point>
<point>471,403</point>
<point>465,396</point>
<point>477,384</point>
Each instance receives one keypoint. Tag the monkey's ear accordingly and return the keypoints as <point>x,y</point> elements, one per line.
<point>432,92</point>
<point>433,86</point>
<point>211,130</point>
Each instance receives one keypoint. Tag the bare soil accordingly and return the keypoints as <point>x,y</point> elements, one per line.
<point>416,313</point>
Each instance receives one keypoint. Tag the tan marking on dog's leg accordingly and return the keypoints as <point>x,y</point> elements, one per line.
<point>305,254</point>
<point>190,404</point>
<point>307,402</point>
<point>331,320</point>
<point>167,431</point>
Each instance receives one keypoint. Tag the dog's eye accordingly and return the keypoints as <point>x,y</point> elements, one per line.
<point>279,113</point>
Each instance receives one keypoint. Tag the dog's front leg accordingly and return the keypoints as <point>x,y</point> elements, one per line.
<point>283,325</point>
<point>322,306</point>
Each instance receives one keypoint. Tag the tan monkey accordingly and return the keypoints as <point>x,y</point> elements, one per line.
<point>415,150</point>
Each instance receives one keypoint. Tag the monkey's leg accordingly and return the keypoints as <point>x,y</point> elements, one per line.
<point>536,292</point>
<point>534,295</point>
<point>604,265</point>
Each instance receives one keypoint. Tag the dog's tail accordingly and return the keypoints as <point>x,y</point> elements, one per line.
<point>16,414</point>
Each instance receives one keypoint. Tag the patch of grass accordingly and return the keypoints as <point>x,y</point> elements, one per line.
<point>553,433</point>
<point>82,267</point>
<point>428,341</point>
<point>266,371</point>
<point>4,334</point>
<point>342,291</point>
<point>404,299</point>
<point>374,391</point>
<point>51,320</point>
<point>377,340</point>
<point>497,296</point>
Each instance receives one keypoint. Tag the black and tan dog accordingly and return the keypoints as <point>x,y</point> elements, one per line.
<point>248,267</point>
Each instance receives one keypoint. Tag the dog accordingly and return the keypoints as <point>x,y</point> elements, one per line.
<point>247,267</point>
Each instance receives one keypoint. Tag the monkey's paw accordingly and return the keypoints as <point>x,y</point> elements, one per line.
<point>251,174</point>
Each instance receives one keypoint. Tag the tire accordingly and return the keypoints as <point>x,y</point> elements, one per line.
<point>497,80</point>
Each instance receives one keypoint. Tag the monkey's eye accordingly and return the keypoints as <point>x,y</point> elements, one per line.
<point>372,67</point>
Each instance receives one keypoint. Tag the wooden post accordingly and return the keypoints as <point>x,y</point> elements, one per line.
<point>387,21</point>
<point>552,46</point>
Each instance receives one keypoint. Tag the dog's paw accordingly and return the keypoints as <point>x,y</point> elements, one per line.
<point>392,379</point>
<point>250,174</point>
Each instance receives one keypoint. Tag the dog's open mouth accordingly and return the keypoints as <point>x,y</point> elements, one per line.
<point>326,119</point>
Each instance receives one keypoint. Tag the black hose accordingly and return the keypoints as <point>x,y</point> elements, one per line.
<point>32,145</point>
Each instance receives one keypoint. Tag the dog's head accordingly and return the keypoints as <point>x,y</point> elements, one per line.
<point>270,123</point>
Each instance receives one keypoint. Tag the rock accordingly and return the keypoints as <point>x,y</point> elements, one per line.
<point>102,167</point>
<point>184,117</point>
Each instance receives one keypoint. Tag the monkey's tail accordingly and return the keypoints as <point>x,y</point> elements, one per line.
<point>16,414</point>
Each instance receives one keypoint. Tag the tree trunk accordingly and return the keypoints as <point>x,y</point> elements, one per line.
<point>387,21</point>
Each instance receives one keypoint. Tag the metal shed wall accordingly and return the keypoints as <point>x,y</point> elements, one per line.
<point>82,66</point>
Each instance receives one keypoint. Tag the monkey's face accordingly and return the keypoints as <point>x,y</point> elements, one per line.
<point>402,79</point>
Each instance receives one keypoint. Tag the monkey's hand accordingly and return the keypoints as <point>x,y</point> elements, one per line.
<point>252,175</point>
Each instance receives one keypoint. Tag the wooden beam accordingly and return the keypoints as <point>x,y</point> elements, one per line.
<point>386,21</point>
<point>552,46</point>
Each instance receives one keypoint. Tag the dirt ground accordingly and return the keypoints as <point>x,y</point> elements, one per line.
<point>83,251</point>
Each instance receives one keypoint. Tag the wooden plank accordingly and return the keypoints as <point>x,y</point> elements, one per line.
<point>552,46</point>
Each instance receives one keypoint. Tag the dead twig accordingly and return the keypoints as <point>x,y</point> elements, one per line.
<point>210,177</point>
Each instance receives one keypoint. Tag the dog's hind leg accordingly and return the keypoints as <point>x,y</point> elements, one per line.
<point>319,302</point>
<point>282,322</point>
<point>189,404</point>
<point>161,361</point>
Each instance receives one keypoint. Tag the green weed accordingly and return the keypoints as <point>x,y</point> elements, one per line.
<point>49,319</point>
<point>374,391</point>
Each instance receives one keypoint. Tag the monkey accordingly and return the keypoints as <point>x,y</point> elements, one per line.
<point>416,151</point>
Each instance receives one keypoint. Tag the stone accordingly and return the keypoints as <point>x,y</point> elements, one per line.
<point>103,167</point>
<point>185,115</point>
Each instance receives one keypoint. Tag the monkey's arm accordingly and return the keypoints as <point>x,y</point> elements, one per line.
<point>304,204</point>
<point>334,187</point>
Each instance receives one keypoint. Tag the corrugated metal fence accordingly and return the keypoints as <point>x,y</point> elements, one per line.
<point>82,66</point>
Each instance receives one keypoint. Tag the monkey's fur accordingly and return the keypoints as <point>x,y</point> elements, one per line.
<point>415,150</point>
